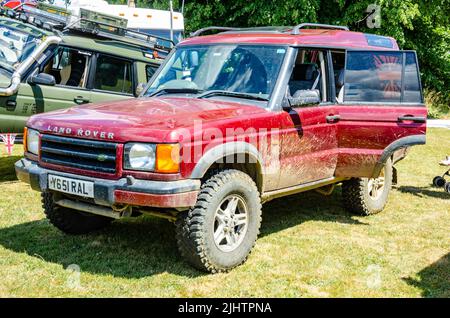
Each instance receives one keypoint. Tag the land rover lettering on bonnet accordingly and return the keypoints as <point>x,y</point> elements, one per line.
<point>230,121</point>
<point>80,132</point>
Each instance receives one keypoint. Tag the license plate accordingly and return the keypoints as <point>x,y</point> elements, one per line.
<point>71,186</point>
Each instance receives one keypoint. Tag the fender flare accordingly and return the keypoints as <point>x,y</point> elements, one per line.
<point>404,142</point>
<point>227,149</point>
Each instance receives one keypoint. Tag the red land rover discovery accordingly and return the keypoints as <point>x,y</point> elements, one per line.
<point>231,121</point>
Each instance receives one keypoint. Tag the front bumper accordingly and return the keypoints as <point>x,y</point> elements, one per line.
<point>160,194</point>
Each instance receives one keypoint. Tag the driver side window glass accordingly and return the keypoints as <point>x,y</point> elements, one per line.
<point>113,75</point>
<point>309,73</point>
<point>69,67</point>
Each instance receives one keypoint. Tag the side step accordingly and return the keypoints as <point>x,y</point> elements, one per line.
<point>267,196</point>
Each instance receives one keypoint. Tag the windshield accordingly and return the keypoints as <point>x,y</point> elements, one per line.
<point>15,46</point>
<point>241,69</point>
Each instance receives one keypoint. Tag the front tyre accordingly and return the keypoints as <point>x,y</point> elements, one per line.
<point>71,221</point>
<point>219,232</point>
<point>367,196</point>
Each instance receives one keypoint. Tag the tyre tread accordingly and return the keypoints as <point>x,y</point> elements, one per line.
<point>190,238</point>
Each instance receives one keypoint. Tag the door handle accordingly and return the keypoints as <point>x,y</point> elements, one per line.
<point>333,118</point>
<point>81,100</point>
<point>11,105</point>
<point>412,118</point>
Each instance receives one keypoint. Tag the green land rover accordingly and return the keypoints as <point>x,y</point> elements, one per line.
<point>51,59</point>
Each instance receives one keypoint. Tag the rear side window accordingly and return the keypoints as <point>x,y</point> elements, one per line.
<point>382,76</point>
<point>113,75</point>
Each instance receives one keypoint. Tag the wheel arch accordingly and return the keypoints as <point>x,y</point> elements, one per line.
<point>396,145</point>
<point>237,155</point>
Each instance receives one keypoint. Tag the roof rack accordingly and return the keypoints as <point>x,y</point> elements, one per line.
<point>103,29</point>
<point>55,18</point>
<point>272,29</point>
<point>296,29</point>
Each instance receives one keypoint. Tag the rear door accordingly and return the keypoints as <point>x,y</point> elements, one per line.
<point>382,109</point>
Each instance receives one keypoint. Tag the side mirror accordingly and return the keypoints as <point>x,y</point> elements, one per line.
<point>139,89</point>
<point>305,98</point>
<point>42,79</point>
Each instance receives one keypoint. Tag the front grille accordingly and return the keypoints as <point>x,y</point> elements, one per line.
<point>83,154</point>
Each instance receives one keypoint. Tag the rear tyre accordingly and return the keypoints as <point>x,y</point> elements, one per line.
<point>367,196</point>
<point>447,187</point>
<point>438,181</point>
<point>219,232</point>
<point>71,221</point>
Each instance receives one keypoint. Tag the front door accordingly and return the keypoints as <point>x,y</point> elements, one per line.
<point>381,104</point>
<point>113,79</point>
<point>309,142</point>
<point>70,68</point>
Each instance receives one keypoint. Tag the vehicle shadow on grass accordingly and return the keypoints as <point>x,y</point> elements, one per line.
<point>130,248</point>
<point>7,172</point>
<point>293,210</point>
<point>421,192</point>
<point>145,246</point>
<point>434,280</point>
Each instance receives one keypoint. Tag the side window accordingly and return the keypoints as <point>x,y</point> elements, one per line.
<point>113,75</point>
<point>338,58</point>
<point>69,67</point>
<point>382,76</point>
<point>150,70</point>
<point>309,73</point>
<point>411,80</point>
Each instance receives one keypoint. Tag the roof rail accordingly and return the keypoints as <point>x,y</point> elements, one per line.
<point>296,29</point>
<point>203,30</point>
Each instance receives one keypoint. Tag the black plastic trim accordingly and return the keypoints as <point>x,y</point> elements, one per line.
<point>404,142</point>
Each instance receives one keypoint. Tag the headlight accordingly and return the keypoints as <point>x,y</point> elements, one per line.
<point>163,158</point>
<point>139,156</point>
<point>32,142</point>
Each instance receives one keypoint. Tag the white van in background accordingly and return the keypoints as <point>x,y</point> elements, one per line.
<point>149,21</point>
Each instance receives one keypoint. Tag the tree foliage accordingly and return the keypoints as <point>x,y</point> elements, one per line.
<point>421,25</point>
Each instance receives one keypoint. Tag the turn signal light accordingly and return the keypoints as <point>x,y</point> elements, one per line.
<point>25,133</point>
<point>167,158</point>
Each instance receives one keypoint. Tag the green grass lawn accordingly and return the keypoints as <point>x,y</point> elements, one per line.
<point>309,246</point>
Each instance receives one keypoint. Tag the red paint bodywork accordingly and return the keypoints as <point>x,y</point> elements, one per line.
<point>310,148</point>
<point>177,200</point>
<point>308,37</point>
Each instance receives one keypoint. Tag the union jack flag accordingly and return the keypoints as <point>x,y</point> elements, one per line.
<point>389,69</point>
<point>8,140</point>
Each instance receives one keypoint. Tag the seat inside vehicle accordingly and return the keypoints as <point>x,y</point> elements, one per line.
<point>339,80</point>
<point>304,77</point>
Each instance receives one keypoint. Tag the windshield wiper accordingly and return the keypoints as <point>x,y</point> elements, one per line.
<point>231,94</point>
<point>164,91</point>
